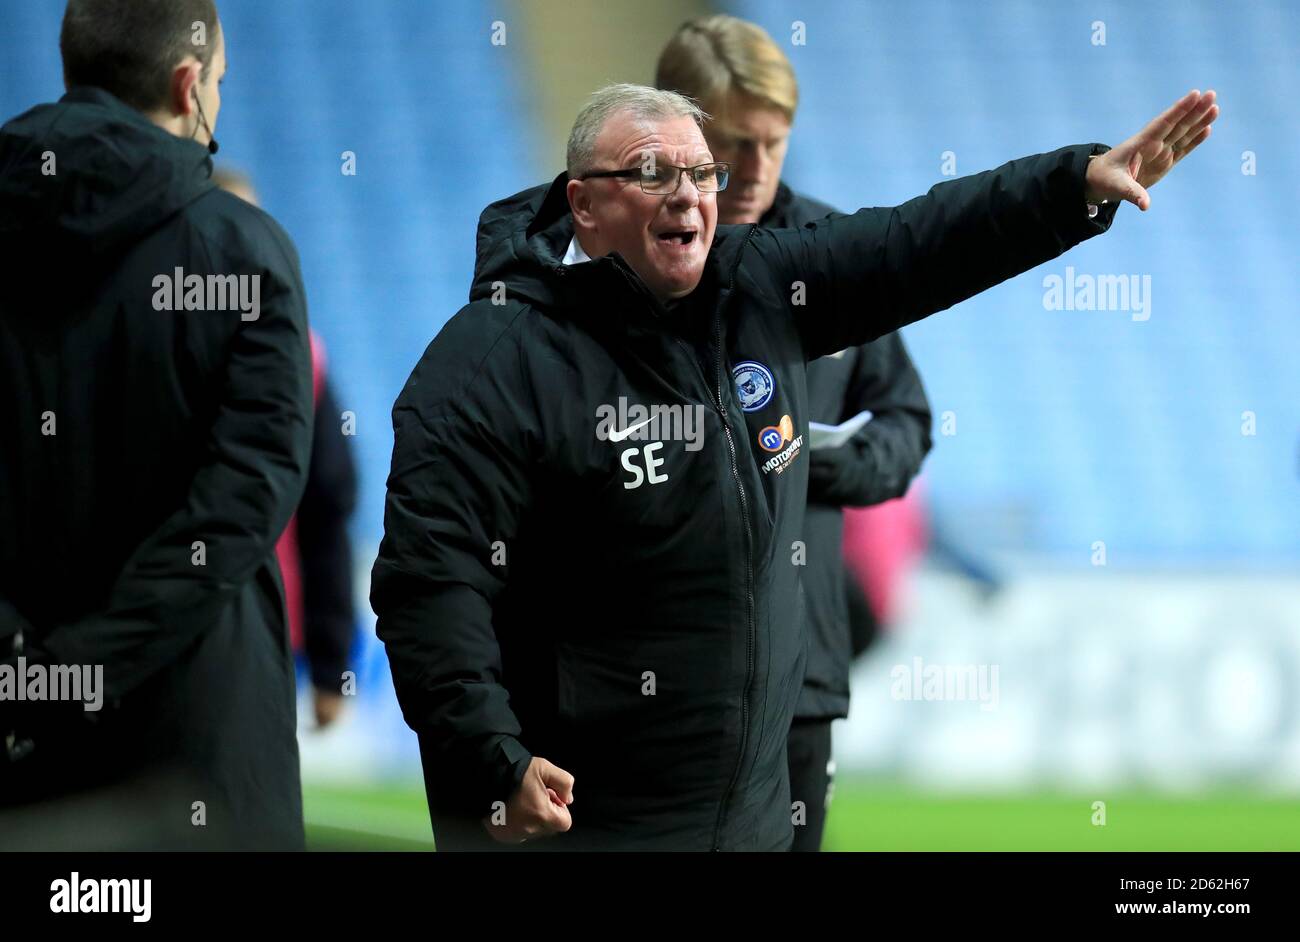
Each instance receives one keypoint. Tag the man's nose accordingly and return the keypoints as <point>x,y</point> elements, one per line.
<point>757,164</point>
<point>687,194</point>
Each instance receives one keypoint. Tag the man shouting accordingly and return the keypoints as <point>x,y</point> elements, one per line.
<point>595,628</point>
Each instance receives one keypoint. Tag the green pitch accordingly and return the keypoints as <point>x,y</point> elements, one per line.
<point>869,816</point>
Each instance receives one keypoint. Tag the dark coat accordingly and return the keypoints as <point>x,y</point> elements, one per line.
<point>876,464</point>
<point>174,428</point>
<point>541,593</point>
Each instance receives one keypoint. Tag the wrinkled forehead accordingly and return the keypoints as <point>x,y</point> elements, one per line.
<point>625,137</point>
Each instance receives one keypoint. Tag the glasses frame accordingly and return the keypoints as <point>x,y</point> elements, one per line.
<point>681,172</point>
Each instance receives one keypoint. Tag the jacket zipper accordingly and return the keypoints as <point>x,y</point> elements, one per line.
<point>749,561</point>
<point>749,535</point>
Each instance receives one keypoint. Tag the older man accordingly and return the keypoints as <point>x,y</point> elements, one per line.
<point>567,598</point>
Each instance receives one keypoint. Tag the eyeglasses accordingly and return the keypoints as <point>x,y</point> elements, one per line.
<point>661,179</point>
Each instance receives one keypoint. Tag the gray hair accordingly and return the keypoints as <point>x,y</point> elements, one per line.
<point>642,102</point>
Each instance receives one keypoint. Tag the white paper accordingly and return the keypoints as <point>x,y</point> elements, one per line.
<point>833,436</point>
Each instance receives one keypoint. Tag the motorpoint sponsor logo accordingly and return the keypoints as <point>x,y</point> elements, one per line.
<point>774,437</point>
<point>781,439</point>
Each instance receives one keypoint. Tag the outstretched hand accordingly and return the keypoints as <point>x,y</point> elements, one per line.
<point>1126,172</point>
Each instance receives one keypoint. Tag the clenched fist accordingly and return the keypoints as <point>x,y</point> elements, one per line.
<point>539,807</point>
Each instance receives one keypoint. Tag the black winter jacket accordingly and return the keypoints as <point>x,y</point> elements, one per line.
<point>149,460</point>
<point>876,464</point>
<point>630,610</point>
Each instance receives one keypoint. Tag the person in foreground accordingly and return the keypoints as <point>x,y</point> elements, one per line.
<point>587,586</point>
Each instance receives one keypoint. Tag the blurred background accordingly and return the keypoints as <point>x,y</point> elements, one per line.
<point>1110,529</point>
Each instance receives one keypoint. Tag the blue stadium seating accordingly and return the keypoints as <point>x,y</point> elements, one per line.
<point>434,114</point>
<point>1087,425</point>
<point>1072,426</point>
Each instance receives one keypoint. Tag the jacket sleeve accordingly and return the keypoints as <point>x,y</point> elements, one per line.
<point>879,462</point>
<point>457,494</point>
<point>240,500</point>
<point>876,270</point>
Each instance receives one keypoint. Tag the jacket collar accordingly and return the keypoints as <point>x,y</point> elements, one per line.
<point>775,215</point>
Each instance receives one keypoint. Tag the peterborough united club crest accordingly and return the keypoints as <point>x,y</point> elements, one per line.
<point>754,384</point>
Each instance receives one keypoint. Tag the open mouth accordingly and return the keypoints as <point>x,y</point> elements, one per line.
<point>678,237</point>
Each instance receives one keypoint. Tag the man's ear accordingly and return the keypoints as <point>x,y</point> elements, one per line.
<point>580,204</point>
<point>185,82</point>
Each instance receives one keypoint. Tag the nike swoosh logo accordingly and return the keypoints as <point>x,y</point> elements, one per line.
<point>619,436</point>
